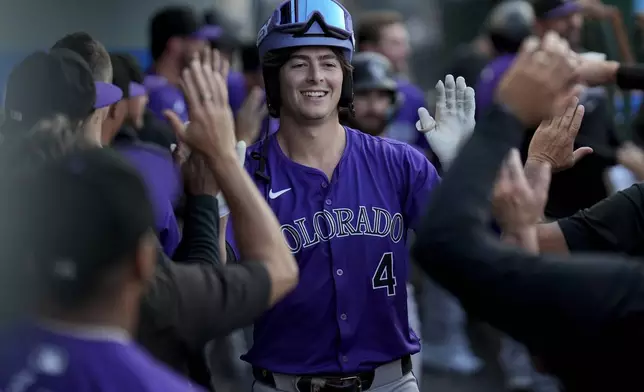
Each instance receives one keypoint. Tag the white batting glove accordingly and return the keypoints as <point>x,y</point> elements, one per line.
<point>241,156</point>
<point>455,107</point>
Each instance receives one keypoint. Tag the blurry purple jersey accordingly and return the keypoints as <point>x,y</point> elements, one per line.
<point>403,126</point>
<point>348,234</point>
<point>489,80</point>
<point>38,359</point>
<point>163,179</point>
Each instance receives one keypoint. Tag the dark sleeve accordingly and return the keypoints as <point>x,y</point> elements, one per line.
<point>200,240</point>
<point>615,224</point>
<point>202,302</point>
<point>549,303</point>
<point>630,77</point>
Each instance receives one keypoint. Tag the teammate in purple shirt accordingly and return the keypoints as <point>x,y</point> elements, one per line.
<point>384,32</point>
<point>345,200</point>
<point>176,35</point>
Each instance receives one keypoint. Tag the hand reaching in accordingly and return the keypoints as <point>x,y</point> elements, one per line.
<point>454,121</point>
<point>211,130</point>
<point>553,142</point>
<point>518,205</point>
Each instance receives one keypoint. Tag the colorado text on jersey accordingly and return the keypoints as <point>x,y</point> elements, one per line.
<point>343,222</point>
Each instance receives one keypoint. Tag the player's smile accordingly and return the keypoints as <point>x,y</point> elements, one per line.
<point>314,94</point>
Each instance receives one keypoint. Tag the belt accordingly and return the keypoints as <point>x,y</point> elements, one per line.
<point>355,382</point>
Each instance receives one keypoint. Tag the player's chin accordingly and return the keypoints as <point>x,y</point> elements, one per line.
<point>315,113</point>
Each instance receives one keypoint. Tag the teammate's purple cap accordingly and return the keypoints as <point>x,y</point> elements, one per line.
<point>106,94</point>
<point>136,90</point>
<point>547,9</point>
<point>209,32</point>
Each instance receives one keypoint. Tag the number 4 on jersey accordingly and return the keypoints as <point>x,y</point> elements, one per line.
<point>384,276</point>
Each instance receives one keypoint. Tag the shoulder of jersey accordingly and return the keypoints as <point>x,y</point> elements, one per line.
<point>377,142</point>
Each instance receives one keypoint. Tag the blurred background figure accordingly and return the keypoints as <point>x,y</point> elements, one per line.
<point>385,32</point>
<point>505,27</point>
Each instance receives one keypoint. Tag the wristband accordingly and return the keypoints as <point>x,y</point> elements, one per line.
<point>221,201</point>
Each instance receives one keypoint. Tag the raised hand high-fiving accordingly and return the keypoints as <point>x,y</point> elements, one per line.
<point>211,130</point>
<point>454,123</point>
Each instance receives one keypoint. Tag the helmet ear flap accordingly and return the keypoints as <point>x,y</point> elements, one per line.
<point>346,96</point>
<point>272,88</point>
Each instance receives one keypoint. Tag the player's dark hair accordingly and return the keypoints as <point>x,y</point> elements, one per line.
<point>92,51</point>
<point>273,62</point>
<point>134,71</point>
<point>371,25</point>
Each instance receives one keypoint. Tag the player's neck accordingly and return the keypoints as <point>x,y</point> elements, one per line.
<point>315,145</point>
<point>169,69</point>
<point>120,313</point>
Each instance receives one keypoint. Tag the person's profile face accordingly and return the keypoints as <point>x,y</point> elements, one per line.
<point>311,83</point>
<point>371,110</point>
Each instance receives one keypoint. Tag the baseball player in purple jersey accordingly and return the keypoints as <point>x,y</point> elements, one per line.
<point>345,201</point>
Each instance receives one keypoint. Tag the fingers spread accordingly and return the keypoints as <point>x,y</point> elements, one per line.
<point>426,120</point>
<point>450,93</point>
<point>577,118</point>
<point>203,87</point>
<point>470,100</point>
<point>569,113</point>
<point>206,57</point>
<point>515,169</point>
<point>460,93</point>
<point>190,91</point>
<point>440,94</point>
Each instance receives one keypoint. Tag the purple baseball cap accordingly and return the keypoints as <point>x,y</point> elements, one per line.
<point>549,9</point>
<point>52,83</point>
<point>208,33</point>
<point>106,94</point>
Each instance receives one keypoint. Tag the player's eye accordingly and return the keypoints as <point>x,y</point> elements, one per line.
<point>330,64</point>
<point>298,65</point>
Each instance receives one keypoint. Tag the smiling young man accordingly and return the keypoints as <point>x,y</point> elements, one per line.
<point>345,200</point>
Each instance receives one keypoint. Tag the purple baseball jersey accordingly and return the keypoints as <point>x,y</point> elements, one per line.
<point>36,359</point>
<point>162,178</point>
<point>403,126</point>
<point>349,311</point>
<point>489,79</point>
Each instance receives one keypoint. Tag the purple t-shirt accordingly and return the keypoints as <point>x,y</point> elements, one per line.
<point>162,178</point>
<point>35,359</point>
<point>403,126</point>
<point>489,79</point>
<point>348,235</point>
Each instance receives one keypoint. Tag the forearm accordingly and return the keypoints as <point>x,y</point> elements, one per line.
<point>525,239</point>
<point>256,229</point>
